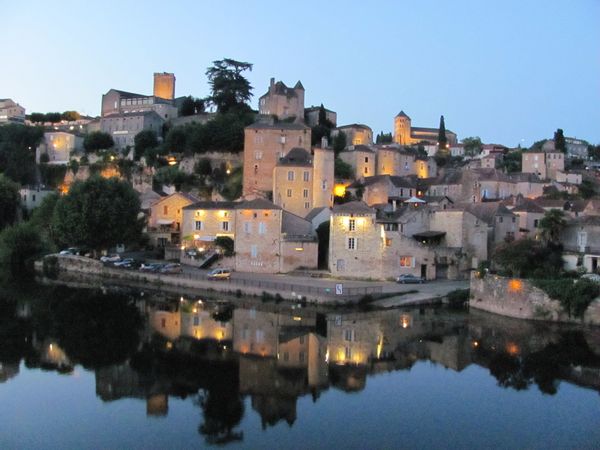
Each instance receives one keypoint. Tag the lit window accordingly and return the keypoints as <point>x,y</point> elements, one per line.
<point>406,261</point>
<point>165,210</point>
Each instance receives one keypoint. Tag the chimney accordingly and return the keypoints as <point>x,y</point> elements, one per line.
<point>324,142</point>
<point>272,83</point>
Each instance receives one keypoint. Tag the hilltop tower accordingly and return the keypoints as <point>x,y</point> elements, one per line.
<point>164,85</point>
<point>402,126</point>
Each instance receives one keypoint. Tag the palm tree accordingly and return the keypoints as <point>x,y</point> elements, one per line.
<point>552,225</point>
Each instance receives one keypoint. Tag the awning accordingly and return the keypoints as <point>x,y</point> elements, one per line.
<point>164,222</point>
<point>414,200</point>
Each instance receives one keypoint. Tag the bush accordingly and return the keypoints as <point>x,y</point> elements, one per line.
<point>574,296</point>
<point>458,297</point>
<point>226,244</point>
<point>51,267</point>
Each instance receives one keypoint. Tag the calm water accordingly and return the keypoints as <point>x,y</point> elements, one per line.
<point>82,369</point>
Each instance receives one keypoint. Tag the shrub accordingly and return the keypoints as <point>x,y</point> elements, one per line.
<point>51,267</point>
<point>574,296</point>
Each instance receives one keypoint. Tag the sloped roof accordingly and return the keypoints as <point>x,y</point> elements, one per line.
<point>296,157</point>
<point>257,203</point>
<point>315,212</point>
<point>487,211</point>
<point>402,114</point>
<point>354,125</point>
<point>358,148</point>
<point>278,126</point>
<point>358,207</point>
<point>529,206</point>
<point>212,205</point>
<point>189,197</point>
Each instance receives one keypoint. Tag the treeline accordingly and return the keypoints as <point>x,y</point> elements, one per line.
<point>17,151</point>
<point>53,117</point>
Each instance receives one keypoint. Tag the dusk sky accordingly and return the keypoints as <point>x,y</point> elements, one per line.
<point>511,72</point>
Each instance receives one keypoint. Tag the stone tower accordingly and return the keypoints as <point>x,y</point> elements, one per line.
<point>402,127</point>
<point>323,177</point>
<point>164,85</point>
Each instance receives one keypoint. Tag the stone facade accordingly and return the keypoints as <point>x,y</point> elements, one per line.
<point>123,127</point>
<point>122,102</point>
<point>264,144</point>
<point>282,101</point>
<point>311,116</point>
<point>361,158</point>
<point>58,145</point>
<point>356,134</point>
<point>32,196</point>
<point>544,164</point>
<point>164,85</point>
<point>518,298</point>
<point>11,112</point>
<point>166,218</point>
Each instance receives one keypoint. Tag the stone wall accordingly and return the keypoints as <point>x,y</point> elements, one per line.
<point>518,298</point>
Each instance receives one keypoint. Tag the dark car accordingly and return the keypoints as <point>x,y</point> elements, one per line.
<point>171,268</point>
<point>408,278</point>
<point>151,267</point>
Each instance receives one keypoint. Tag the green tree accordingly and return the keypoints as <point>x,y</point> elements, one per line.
<point>512,161</point>
<point>442,139</point>
<point>70,116</point>
<point>339,143</point>
<point>37,117</point>
<point>559,141</point>
<point>230,90</point>
<point>41,217</point>
<point>537,146</point>
<point>176,139</point>
<point>98,214</point>
<point>53,117</point>
<point>594,152</point>
<point>17,151</point>
<point>587,189</point>
<point>472,145</point>
<point>143,141</point>
<point>343,170</point>
<point>384,138</point>
<point>10,200</point>
<point>19,245</point>
<point>552,225</point>
<point>203,167</point>
<point>190,106</point>
<point>528,258</point>
<point>98,140</point>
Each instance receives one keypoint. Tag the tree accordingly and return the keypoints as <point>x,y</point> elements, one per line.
<point>512,161</point>
<point>472,145</point>
<point>527,257</point>
<point>203,167</point>
<point>70,116</point>
<point>384,138</point>
<point>99,214</point>
<point>190,106</point>
<point>97,140</point>
<point>41,217</point>
<point>339,142</point>
<point>230,90</point>
<point>587,189</point>
<point>37,117</point>
<point>19,245</point>
<point>343,170</point>
<point>10,200</point>
<point>53,117</point>
<point>442,139</point>
<point>552,225</point>
<point>594,152</point>
<point>17,151</point>
<point>144,140</point>
<point>559,141</point>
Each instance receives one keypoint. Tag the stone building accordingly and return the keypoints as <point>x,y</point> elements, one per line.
<point>406,134</point>
<point>58,145</point>
<point>265,143</point>
<point>302,181</point>
<point>581,241</point>
<point>32,196</point>
<point>11,112</point>
<point>266,238</point>
<point>164,85</point>
<point>311,116</point>
<point>123,102</point>
<point>361,158</point>
<point>386,189</point>
<point>356,134</point>
<point>166,218</point>
<point>399,161</point>
<point>502,223</point>
<point>283,102</point>
<point>123,127</point>
<point>529,214</point>
<point>544,164</point>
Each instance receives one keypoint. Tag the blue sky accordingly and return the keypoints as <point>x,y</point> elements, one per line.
<point>509,71</point>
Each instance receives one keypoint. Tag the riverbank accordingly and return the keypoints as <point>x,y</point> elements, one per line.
<point>519,299</point>
<point>327,291</point>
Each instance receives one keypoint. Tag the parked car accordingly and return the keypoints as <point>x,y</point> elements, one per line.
<point>171,268</point>
<point>408,278</point>
<point>69,251</point>
<point>110,258</point>
<point>151,267</point>
<point>219,274</point>
<point>127,262</point>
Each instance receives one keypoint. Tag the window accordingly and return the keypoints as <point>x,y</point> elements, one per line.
<point>388,242</point>
<point>305,193</point>
<point>324,185</point>
<point>406,261</point>
<point>306,205</point>
<point>500,219</point>
<point>254,251</point>
<point>290,175</point>
<point>306,176</point>
<point>348,353</point>
<point>352,225</point>
<point>351,243</point>
<point>247,227</point>
<point>165,210</point>
<point>286,356</point>
<point>199,226</point>
<point>196,321</point>
<point>349,335</point>
<point>366,170</point>
<point>514,219</point>
<point>289,192</point>
<point>262,228</point>
<point>390,226</point>
<point>260,335</point>
<point>301,357</point>
<point>225,225</point>
<point>258,155</point>
<point>535,223</point>
<point>366,159</point>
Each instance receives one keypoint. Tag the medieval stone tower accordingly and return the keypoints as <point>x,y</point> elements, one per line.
<point>402,128</point>
<point>323,176</point>
<point>164,85</point>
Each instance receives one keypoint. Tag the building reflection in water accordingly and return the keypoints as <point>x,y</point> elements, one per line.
<point>219,354</point>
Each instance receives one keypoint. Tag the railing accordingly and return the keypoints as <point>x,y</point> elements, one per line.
<point>240,283</point>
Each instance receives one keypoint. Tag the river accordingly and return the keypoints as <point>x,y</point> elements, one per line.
<point>86,369</point>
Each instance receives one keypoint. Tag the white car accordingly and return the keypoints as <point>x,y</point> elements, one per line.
<point>110,258</point>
